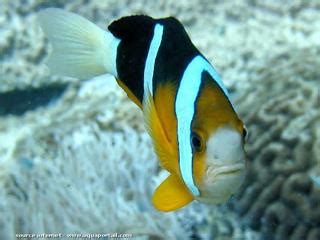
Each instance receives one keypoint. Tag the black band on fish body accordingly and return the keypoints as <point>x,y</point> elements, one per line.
<point>175,53</point>
<point>135,33</point>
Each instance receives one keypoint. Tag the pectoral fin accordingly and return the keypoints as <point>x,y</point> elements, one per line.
<point>171,194</point>
<point>163,147</point>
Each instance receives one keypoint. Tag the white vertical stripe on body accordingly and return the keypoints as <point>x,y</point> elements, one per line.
<point>111,62</point>
<point>185,110</point>
<point>151,59</point>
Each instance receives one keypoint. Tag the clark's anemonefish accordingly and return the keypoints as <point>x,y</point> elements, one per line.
<point>196,132</point>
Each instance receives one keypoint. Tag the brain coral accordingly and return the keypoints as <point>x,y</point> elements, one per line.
<point>281,196</point>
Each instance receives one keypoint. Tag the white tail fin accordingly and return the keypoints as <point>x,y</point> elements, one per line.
<point>80,48</point>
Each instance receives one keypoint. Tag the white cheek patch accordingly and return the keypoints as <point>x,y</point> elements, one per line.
<point>184,105</point>
<point>225,147</point>
<point>151,59</point>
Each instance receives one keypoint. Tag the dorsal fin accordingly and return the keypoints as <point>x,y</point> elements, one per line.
<point>132,26</point>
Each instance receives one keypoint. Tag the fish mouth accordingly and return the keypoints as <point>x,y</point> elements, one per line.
<point>215,171</point>
<point>220,182</point>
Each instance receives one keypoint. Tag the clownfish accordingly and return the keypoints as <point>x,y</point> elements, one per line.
<point>196,132</point>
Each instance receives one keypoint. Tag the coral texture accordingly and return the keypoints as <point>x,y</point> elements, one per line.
<point>85,163</point>
<point>70,173</point>
<point>235,36</point>
<point>281,109</point>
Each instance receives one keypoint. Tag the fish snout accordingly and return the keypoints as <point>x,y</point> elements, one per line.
<point>219,183</point>
<point>225,166</point>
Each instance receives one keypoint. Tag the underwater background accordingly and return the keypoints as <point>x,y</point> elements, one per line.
<point>75,156</point>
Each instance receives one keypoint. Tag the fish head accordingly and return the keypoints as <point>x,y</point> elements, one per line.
<point>219,169</point>
<point>204,157</point>
<point>217,139</point>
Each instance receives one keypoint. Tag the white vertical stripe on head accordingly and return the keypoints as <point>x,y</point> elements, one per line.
<point>208,67</point>
<point>151,59</point>
<point>185,109</point>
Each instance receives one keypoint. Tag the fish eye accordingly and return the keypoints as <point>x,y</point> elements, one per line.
<point>245,133</point>
<point>196,142</point>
